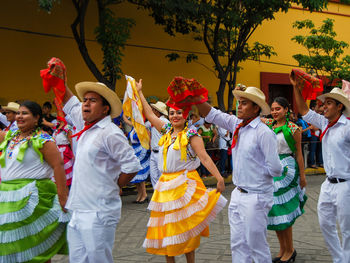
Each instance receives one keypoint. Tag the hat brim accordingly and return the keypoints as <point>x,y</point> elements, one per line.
<point>10,108</point>
<point>116,106</point>
<point>265,109</point>
<point>337,97</point>
<point>159,109</point>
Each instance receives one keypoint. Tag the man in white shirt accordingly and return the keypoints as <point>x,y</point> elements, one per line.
<point>255,163</point>
<point>160,111</point>
<point>9,116</point>
<point>104,163</point>
<point>334,199</point>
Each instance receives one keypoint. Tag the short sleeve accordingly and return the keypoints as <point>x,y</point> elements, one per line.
<point>268,122</point>
<point>192,132</point>
<point>44,137</point>
<point>166,128</point>
<point>293,127</point>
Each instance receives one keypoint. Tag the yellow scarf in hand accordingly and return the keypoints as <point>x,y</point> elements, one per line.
<point>132,108</point>
<point>179,144</point>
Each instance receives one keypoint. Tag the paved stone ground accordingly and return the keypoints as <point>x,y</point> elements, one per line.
<point>131,231</point>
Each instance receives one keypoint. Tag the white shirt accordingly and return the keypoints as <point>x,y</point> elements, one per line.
<point>30,168</point>
<point>173,161</point>
<point>103,152</point>
<point>74,130</point>
<point>335,144</point>
<point>4,121</point>
<point>223,138</point>
<point>283,147</point>
<point>155,134</point>
<point>254,158</point>
<point>61,136</point>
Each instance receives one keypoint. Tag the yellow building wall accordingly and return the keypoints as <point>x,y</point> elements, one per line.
<point>23,55</point>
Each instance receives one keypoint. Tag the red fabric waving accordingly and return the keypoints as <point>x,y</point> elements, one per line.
<point>54,77</point>
<point>311,86</point>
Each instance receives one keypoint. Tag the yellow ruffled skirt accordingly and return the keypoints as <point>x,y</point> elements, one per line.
<point>181,210</point>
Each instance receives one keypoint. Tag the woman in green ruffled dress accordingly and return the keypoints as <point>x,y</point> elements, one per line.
<point>32,216</point>
<point>289,196</point>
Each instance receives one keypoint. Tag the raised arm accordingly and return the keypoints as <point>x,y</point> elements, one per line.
<point>67,95</point>
<point>147,110</point>
<point>204,109</point>
<point>301,104</point>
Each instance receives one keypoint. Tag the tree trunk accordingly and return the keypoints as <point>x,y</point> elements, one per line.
<point>220,94</point>
<point>78,30</point>
<point>231,87</point>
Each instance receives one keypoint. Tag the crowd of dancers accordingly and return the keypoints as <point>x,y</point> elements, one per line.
<point>61,178</point>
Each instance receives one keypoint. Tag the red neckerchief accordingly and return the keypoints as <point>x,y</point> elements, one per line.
<point>86,127</point>
<point>328,126</point>
<point>235,134</point>
<point>8,127</point>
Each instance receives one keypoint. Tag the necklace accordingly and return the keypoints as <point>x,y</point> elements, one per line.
<point>16,140</point>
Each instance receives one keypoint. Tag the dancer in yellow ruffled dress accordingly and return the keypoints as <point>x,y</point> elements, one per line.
<point>181,206</point>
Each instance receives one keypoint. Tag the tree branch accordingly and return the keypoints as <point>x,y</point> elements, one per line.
<point>80,38</point>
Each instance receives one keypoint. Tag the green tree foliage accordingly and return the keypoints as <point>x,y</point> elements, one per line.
<point>111,33</point>
<point>325,54</point>
<point>225,27</point>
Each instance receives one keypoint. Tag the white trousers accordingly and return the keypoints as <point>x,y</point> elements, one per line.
<point>334,206</point>
<point>154,171</point>
<point>247,214</point>
<point>91,237</point>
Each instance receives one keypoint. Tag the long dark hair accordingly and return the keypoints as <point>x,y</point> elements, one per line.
<point>35,109</point>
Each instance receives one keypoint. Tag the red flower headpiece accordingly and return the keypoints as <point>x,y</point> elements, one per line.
<point>180,89</point>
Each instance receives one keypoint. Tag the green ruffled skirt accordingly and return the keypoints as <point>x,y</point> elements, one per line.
<point>288,198</point>
<point>32,223</point>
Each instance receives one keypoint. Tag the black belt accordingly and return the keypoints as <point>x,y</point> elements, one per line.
<point>335,180</point>
<point>242,190</point>
<point>155,151</point>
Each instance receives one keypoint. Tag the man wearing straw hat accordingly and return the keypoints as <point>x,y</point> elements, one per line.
<point>161,112</point>
<point>255,162</point>
<point>334,199</point>
<point>104,163</point>
<point>9,118</point>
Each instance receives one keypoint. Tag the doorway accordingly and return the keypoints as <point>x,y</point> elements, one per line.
<point>281,90</point>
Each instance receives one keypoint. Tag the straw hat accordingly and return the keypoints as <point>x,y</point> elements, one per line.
<point>339,95</point>
<point>161,107</point>
<point>255,95</point>
<point>103,91</point>
<point>12,106</point>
